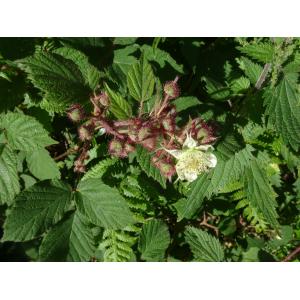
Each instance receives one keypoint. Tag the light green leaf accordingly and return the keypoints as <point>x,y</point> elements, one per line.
<point>118,105</point>
<point>70,239</point>
<point>204,246</point>
<point>283,108</point>
<point>141,80</point>
<point>58,77</point>
<point>260,193</point>
<point>123,60</point>
<point>42,165</point>
<point>215,89</point>
<point>90,73</point>
<point>183,103</point>
<point>124,40</point>
<point>161,57</point>
<point>102,205</point>
<point>154,240</point>
<point>240,85</point>
<point>99,169</point>
<point>251,69</point>
<point>200,189</point>
<point>144,159</point>
<point>9,182</point>
<point>36,209</point>
<point>263,52</point>
<point>117,246</point>
<point>24,133</point>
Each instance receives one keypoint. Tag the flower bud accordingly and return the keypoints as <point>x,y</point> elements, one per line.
<point>116,148</point>
<point>144,133</point>
<point>166,168</point>
<point>169,125</point>
<point>76,113</point>
<point>85,132</point>
<point>102,99</point>
<point>204,134</point>
<point>171,89</point>
<point>150,143</point>
<point>128,148</point>
<point>79,167</point>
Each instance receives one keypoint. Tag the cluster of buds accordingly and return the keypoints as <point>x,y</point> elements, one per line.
<point>88,125</point>
<point>156,131</point>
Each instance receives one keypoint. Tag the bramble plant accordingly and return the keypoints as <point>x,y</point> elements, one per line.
<point>149,149</point>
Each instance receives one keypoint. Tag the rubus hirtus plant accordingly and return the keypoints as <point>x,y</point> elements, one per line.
<point>178,149</point>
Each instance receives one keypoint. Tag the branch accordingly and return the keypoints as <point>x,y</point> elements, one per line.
<point>204,223</point>
<point>263,76</point>
<point>292,254</point>
<point>69,151</point>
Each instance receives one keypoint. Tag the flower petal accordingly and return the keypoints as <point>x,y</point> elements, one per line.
<point>175,153</point>
<point>212,160</point>
<point>205,147</point>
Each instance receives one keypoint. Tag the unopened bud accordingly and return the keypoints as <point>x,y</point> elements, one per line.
<point>85,132</point>
<point>102,99</point>
<point>116,148</point>
<point>150,143</point>
<point>171,89</point>
<point>143,133</point>
<point>76,113</point>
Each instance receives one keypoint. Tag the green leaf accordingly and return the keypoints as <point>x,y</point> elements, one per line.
<point>58,77</point>
<point>118,105</point>
<point>99,169</point>
<point>124,40</point>
<point>260,193</point>
<point>36,209</point>
<point>141,80</point>
<point>71,240</point>
<point>9,182</point>
<point>144,159</point>
<point>263,52</point>
<point>117,246</point>
<point>154,240</point>
<point>24,133</point>
<point>102,205</point>
<point>123,59</point>
<point>251,69</point>
<point>240,85</point>
<point>183,103</point>
<point>161,57</point>
<point>215,89</point>
<point>90,73</point>
<point>42,165</point>
<point>211,183</point>
<point>201,188</point>
<point>282,104</point>
<point>204,246</point>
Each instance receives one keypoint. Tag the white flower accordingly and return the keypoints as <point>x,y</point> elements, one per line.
<point>193,160</point>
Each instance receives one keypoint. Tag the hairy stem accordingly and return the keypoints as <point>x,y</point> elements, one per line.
<point>292,254</point>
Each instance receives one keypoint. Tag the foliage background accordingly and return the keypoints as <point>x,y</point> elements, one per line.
<point>246,209</point>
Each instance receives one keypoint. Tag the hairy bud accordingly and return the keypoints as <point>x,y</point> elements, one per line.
<point>144,133</point>
<point>102,99</point>
<point>150,143</point>
<point>85,132</point>
<point>171,89</point>
<point>169,124</point>
<point>79,167</point>
<point>116,148</point>
<point>76,113</point>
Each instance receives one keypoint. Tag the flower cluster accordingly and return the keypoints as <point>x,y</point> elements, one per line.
<point>185,151</point>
